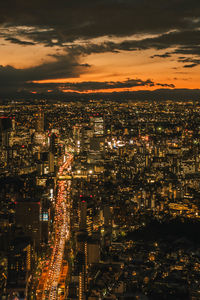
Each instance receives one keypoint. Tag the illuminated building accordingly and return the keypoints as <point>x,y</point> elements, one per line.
<point>97,124</point>
<point>82,262</point>
<point>40,121</point>
<point>53,143</point>
<point>97,141</point>
<point>44,220</point>
<point>86,215</point>
<point>86,135</point>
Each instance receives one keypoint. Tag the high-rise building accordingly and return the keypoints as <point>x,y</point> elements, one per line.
<point>83,214</point>
<point>97,125</point>
<point>93,251</point>
<point>19,267</point>
<point>97,141</point>
<point>51,162</point>
<point>40,121</point>
<point>81,239</point>
<point>28,217</point>
<point>86,215</point>
<point>5,128</point>
<point>44,220</point>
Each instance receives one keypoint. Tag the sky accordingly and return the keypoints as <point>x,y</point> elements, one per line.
<point>98,46</point>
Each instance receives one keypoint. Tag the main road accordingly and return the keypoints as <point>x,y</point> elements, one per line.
<point>61,227</point>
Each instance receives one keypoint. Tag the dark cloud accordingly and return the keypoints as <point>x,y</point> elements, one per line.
<point>190,66</point>
<point>189,49</point>
<point>62,67</point>
<point>193,62</point>
<point>165,55</point>
<point>87,19</point>
<point>176,22</point>
<point>163,41</point>
<point>172,26</point>
<point>94,85</point>
<point>18,41</point>
<point>183,42</point>
<point>166,85</point>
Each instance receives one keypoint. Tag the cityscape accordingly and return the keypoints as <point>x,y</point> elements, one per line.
<point>100,150</point>
<point>100,200</point>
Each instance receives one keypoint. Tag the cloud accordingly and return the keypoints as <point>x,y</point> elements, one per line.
<point>15,81</point>
<point>18,41</point>
<point>193,62</point>
<point>94,85</point>
<point>77,19</point>
<point>62,67</point>
<point>92,18</point>
<point>182,42</point>
<point>191,65</point>
<point>165,55</point>
<point>75,24</point>
<point>97,26</point>
<point>163,41</point>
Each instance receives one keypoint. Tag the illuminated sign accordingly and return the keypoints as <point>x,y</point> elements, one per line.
<point>44,217</point>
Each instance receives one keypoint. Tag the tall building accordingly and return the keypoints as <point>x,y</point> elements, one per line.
<point>5,128</point>
<point>51,162</point>
<point>93,251</point>
<point>86,215</point>
<point>83,214</point>
<point>97,124</point>
<point>40,121</point>
<point>28,217</point>
<point>44,220</point>
<point>97,141</point>
<point>19,267</point>
<point>81,239</point>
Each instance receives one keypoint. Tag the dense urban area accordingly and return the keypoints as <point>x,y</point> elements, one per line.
<point>100,200</point>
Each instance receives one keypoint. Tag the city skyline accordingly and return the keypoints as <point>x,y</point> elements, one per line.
<point>97,46</point>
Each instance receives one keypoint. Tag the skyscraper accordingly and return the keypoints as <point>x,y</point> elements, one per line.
<point>28,217</point>
<point>40,121</point>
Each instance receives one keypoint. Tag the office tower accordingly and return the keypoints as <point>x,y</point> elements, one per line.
<point>28,217</point>
<point>40,121</point>
<point>19,267</point>
<point>83,214</point>
<point>51,162</point>
<point>44,220</point>
<point>86,228</point>
<point>97,125</point>
<point>97,140</point>
<point>86,215</point>
<point>81,240</point>
<point>93,251</point>
<point>53,143</point>
<point>5,128</point>
<point>89,220</point>
<point>86,135</point>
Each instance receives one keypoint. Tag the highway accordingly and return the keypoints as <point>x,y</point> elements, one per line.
<point>61,228</point>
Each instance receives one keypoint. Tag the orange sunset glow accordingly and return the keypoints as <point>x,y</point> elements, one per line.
<point>102,52</point>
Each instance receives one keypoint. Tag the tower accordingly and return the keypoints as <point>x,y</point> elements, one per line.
<point>28,217</point>
<point>40,121</point>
